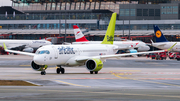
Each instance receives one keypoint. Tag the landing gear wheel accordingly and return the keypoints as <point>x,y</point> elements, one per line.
<point>58,70</point>
<point>62,70</point>
<point>43,72</point>
<point>96,72</point>
<point>91,72</point>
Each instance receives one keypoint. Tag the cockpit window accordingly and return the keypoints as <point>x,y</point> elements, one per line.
<point>43,52</point>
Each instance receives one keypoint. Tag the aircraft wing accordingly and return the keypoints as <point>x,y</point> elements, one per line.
<point>128,54</point>
<point>104,57</point>
<point>18,52</point>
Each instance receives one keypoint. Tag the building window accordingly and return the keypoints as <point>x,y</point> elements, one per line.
<point>169,10</point>
<point>145,12</point>
<point>163,10</point>
<point>151,12</point>
<point>121,12</point>
<point>175,9</point>
<point>126,12</point>
<point>139,12</point>
<point>157,12</point>
<point>133,12</point>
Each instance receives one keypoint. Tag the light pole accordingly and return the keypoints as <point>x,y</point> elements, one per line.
<point>59,23</point>
<point>129,19</point>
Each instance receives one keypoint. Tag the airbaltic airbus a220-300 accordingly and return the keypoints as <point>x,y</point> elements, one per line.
<point>91,55</point>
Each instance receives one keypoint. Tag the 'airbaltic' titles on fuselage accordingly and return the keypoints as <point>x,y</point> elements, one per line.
<point>66,50</point>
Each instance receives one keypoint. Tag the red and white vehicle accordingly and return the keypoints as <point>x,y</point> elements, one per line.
<point>174,55</point>
<point>157,56</point>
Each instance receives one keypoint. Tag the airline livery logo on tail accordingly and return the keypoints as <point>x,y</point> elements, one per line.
<point>77,32</point>
<point>158,34</point>
<point>110,38</point>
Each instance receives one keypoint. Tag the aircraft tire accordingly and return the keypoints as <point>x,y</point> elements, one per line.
<point>62,70</point>
<point>58,70</point>
<point>43,72</point>
<point>96,72</point>
<point>91,72</point>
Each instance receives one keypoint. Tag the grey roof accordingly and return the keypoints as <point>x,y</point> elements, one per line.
<point>71,31</point>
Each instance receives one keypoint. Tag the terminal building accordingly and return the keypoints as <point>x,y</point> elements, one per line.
<point>37,19</point>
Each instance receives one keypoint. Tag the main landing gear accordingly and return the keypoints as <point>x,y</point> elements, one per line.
<point>91,72</point>
<point>60,69</point>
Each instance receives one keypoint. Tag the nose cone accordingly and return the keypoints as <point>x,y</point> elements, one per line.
<point>38,60</point>
<point>147,47</point>
<point>144,48</point>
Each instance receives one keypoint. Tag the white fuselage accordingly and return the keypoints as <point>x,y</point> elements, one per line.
<point>28,43</point>
<point>166,45</point>
<point>66,55</point>
<point>122,44</point>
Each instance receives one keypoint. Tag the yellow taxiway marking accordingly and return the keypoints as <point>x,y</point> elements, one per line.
<point>71,84</point>
<point>129,70</point>
<point>24,65</point>
<point>116,74</point>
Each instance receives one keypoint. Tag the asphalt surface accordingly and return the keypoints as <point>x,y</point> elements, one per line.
<point>127,79</point>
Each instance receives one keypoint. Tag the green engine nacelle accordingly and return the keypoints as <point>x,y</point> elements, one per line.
<point>38,67</point>
<point>94,65</point>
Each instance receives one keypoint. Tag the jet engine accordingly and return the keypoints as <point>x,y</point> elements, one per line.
<point>29,49</point>
<point>94,65</point>
<point>38,67</point>
<point>144,48</point>
<point>131,51</point>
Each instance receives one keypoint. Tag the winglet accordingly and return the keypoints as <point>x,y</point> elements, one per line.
<point>171,47</point>
<point>109,37</point>
<point>4,46</point>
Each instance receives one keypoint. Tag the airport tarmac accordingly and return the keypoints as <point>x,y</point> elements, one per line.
<point>127,79</point>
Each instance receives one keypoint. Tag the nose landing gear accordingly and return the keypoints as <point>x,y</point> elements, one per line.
<point>43,72</point>
<point>60,69</point>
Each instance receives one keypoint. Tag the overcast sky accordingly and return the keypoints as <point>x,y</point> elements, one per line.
<point>5,2</point>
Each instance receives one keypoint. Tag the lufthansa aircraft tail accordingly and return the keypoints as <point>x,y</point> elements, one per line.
<point>109,37</point>
<point>78,34</point>
<point>159,35</point>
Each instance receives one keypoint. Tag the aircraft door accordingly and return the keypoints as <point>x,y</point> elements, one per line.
<point>55,56</point>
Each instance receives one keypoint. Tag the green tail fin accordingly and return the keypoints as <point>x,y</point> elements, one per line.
<point>109,37</point>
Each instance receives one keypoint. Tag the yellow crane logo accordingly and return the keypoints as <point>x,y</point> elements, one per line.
<point>158,34</point>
